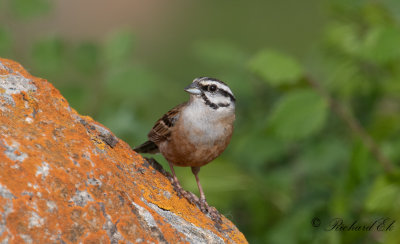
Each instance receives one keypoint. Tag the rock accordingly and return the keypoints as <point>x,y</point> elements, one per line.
<point>64,178</point>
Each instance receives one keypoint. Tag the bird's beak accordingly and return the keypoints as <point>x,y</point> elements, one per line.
<point>193,89</point>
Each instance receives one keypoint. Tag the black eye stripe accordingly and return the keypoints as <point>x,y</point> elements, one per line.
<point>204,87</point>
<point>221,91</point>
<point>226,94</point>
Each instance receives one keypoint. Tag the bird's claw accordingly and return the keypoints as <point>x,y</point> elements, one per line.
<point>203,205</point>
<point>200,202</point>
<point>211,211</point>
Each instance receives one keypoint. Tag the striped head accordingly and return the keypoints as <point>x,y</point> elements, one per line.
<point>213,93</point>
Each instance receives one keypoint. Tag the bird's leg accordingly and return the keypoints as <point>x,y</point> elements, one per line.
<point>176,181</point>
<point>203,203</point>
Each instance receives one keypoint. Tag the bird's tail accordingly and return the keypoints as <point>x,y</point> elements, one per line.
<point>147,147</point>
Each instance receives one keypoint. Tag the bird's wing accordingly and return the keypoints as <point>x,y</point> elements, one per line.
<point>162,129</point>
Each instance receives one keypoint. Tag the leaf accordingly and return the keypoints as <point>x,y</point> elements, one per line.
<point>384,196</point>
<point>382,45</point>
<point>299,114</point>
<point>343,38</point>
<point>276,68</point>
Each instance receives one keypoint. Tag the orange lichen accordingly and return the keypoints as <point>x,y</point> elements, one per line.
<point>66,178</point>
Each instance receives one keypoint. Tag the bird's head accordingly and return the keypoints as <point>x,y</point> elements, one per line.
<point>212,92</point>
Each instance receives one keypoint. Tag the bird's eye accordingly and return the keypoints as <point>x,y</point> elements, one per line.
<point>212,88</point>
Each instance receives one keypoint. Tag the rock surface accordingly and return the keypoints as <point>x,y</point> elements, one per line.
<point>65,178</point>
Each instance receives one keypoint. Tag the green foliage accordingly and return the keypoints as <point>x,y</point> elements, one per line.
<point>384,196</point>
<point>299,114</point>
<point>382,45</point>
<point>276,68</point>
<point>292,157</point>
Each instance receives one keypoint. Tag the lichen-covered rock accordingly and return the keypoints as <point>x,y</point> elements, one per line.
<point>65,178</point>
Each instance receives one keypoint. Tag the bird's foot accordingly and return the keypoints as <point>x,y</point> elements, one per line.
<point>185,194</point>
<point>200,202</point>
<point>203,205</point>
<point>179,189</point>
<point>211,211</point>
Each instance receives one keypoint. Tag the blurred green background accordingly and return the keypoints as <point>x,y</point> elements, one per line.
<point>293,157</point>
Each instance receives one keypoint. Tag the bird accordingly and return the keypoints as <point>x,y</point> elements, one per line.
<point>195,132</point>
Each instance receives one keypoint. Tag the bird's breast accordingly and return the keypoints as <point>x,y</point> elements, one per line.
<point>196,141</point>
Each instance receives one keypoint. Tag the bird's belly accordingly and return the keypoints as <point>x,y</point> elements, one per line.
<point>196,147</point>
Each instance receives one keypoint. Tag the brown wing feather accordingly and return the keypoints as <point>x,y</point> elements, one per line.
<point>162,129</point>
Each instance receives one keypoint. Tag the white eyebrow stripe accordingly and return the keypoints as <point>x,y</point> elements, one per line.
<point>209,82</point>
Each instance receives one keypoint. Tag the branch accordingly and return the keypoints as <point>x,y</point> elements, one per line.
<point>354,125</point>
